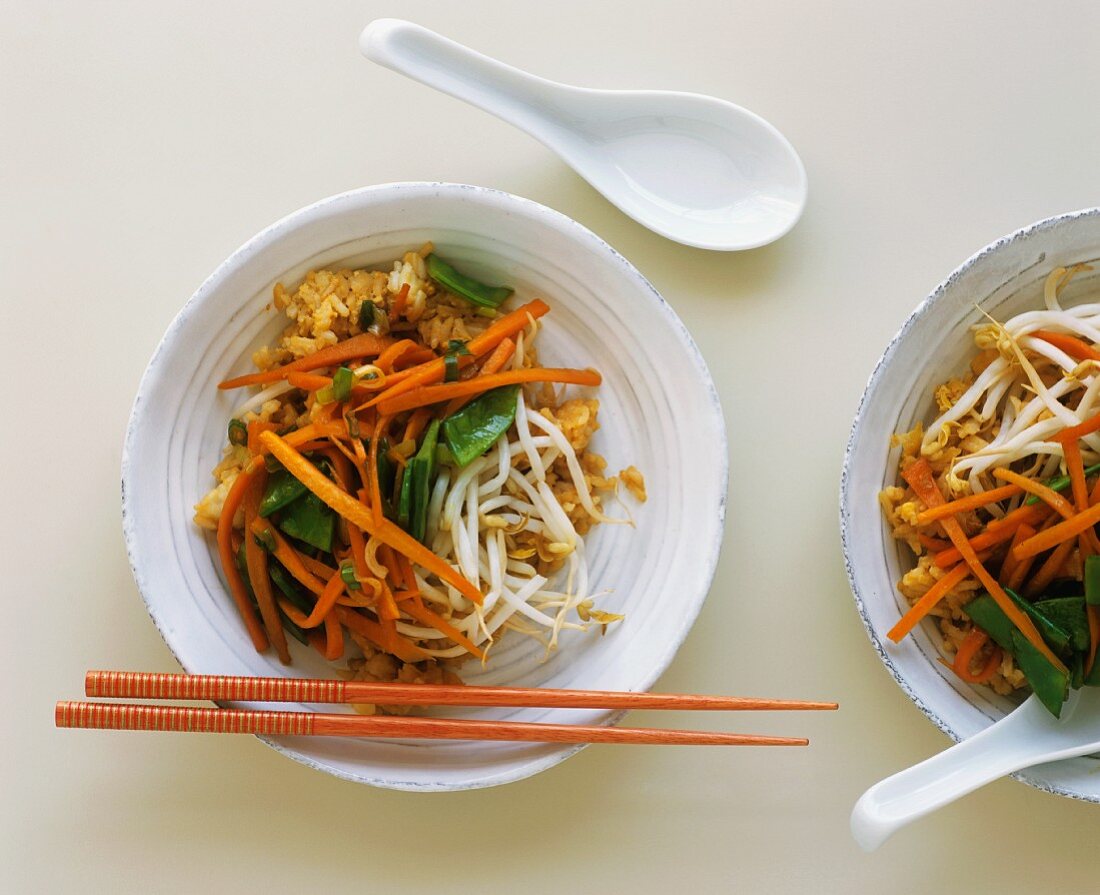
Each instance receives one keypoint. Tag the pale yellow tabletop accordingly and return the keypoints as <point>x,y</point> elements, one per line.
<point>143,142</point>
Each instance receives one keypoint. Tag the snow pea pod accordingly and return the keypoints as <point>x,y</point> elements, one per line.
<point>1048,683</point>
<point>1054,634</point>
<point>474,429</point>
<point>1068,613</point>
<point>464,286</point>
<point>309,520</point>
<point>281,489</point>
<point>1092,580</point>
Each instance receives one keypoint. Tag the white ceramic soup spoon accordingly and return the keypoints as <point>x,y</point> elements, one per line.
<point>1026,737</point>
<point>698,170</point>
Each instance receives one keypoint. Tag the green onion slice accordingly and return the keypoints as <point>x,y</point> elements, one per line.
<point>347,572</point>
<point>238,432</point>
<point>456,348</point>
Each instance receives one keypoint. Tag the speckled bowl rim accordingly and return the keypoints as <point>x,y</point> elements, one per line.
<point>709,552</point>
<point>925,308</point>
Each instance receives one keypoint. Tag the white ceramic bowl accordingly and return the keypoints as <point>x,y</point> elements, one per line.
<point>934,344</point>
<point>665,419</point>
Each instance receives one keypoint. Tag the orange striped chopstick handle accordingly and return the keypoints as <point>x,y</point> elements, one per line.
<point>214,687</point>
<point>182,719</point>
<point>145,685</point>
<point>120,716</point>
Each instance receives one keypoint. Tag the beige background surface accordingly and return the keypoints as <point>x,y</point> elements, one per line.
<point>142,143</point>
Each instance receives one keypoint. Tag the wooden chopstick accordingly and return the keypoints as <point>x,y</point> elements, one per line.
<point>148,685</point>
<point>183,719</point>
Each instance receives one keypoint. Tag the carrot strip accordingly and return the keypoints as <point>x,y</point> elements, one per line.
<point>968,649</point>
<point>416,608</point>
<point>928,601</point>
<point>227,554</point>
<point>966,504</point>
<point>994,535</point>
<point>1085,427</point>
<point>367,389</point>
<point>1022,567</point>
<point>341,463</point>
<point>1071,345</point>
<point>434,370</point>
<point>324,603</point>
<point>308,382</point>
<point>1049,570</point>
<point>407,574</point>
<point>256,560</point>
<point>418,422</point>
<point>1028,514</point>
<point>921,479</point>
<point>390,356</point>
<point>1008,565</point>
<point>387,605</point>
<point>334,637</point>
<point>307,437</point>
<point>1075,466</point>
<point>254,429</point>
<point>400,302</point>
<point>1050,497</point>
<point>290,558</point>
<point>358,551</point>
<point>318,568</point>
<point>362,345</point>
<point>293,613</point>
<point>317,445</point>
<point>373,631</point>
<point>421,397</point>
<point>373,481</point>
<point>357,514</point>
<point>933,545</point>
<point>1059,533</point>
<point>494,363</point>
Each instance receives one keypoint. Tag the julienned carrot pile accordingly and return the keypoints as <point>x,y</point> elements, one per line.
<point>401,484</point>
<point>1001,501</point>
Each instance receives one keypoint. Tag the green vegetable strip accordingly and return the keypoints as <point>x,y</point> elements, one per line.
<point>404,497</point>
<point>1060,483</point>
<point>1092,580</point>
<point>423,471</point>
<point>470,289</point>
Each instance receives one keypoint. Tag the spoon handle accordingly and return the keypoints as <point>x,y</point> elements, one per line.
<point>521,99</point>
<point>1019,740</point>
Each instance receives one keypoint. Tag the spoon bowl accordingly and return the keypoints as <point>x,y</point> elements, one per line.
<point>1026,737</point>
<point>695,169</point>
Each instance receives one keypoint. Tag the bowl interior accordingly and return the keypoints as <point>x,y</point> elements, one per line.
<point>935,344</point>
<point>603,314</point>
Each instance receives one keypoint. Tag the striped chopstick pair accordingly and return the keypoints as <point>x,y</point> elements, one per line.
<point>143,685</point>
